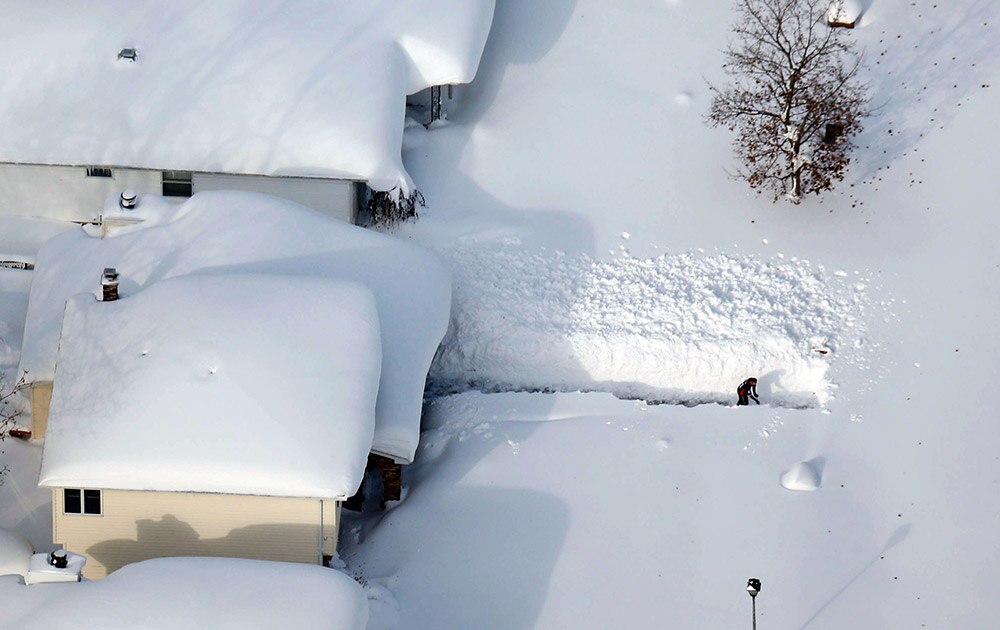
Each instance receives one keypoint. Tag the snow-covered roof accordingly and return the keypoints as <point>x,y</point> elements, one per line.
<point>844,11</point>
<point>232,383</point>
<point>235,86</point>
<point>230,232</point>
<point>15,553</point>
<point>170,593</point>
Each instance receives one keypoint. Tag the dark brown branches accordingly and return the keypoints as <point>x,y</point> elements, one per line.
<point>794,98</point>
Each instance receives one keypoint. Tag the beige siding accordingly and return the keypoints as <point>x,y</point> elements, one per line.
<point>41,396</point>
<point>137,526</point>
<point>331,526</point>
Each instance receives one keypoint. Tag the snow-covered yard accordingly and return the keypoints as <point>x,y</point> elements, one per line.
<point>596,243</point>
<point>577,160</point>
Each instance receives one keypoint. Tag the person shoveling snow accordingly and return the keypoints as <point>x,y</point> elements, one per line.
<point>747,390</point>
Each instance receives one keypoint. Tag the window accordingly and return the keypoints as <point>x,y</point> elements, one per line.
<point>78,501</point>
<point>98,171</point>
<point>176,184</point>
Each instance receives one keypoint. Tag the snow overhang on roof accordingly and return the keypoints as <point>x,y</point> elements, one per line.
<point>232,383</point>
<point>232,232</point>
<point>233,86</point>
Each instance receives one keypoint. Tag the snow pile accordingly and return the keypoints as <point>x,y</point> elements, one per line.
<point>232,86</point>
<point>165,390</point>
<point>844,11</point>
<point>676,328</point>
<point>804,477</point>
<point>238,233</point>
<point>15,553</point>
<point>169,593</point>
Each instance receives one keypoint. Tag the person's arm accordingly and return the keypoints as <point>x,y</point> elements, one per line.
<point>753,393</point>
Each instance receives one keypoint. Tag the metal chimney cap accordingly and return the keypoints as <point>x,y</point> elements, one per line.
<point>128,199</point>
<point>109,276</point>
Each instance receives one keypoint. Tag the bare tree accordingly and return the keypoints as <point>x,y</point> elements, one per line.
<point>794,98</point>
<point>9,413</point>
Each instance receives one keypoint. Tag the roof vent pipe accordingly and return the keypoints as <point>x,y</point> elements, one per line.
<point>109,284</point>
<point>128,199</point>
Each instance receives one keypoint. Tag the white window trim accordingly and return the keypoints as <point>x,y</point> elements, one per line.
<point>82,512</point>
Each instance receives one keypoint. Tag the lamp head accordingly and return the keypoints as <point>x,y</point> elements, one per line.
<point>753,587</point>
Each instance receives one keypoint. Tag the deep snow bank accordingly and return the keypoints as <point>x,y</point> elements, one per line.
<point>174,593</point>
<point>676,328</point>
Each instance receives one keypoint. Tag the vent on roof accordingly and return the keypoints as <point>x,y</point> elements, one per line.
<point>98,171</point>
<point>128,54</point>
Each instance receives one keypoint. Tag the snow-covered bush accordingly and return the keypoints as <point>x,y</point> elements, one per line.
<point>390,208</point>
<point>794,99</point>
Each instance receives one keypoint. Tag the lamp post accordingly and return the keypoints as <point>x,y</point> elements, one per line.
<point>753,587</point>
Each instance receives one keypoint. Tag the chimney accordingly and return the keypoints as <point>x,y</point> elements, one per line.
<point>109,282</point>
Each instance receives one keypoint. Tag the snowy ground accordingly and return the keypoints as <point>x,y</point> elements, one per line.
<point>582,510</point>
<point>586,124</point>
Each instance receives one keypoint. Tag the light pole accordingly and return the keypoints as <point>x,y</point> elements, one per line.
<point>753,587</point>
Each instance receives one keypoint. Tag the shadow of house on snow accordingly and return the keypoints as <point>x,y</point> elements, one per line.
<point>172,537</point>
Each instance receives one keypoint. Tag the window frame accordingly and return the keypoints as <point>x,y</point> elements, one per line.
<point>175,181</point>
<point>83,502</point>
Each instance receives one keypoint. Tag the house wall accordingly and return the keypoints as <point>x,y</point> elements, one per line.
<point>41,396</point>
<point>332,197</point>
<point>138,525</point>
<point>67,193</point>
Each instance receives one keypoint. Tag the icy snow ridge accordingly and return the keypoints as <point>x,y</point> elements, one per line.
<point>682,328</point>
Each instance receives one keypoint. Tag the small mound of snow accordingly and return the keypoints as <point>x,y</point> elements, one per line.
<point>15,553</point>
<point>803,477</point>
<point>683,99</point>
<point>844,11</point>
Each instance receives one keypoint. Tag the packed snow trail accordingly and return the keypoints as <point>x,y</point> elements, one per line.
<point>683,328</point>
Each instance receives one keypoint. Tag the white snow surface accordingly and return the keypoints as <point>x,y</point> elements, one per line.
<point>15,553</point>
<point>803,477</point>
<point>212,383</point>
<point>175,593</point>
<point>576,131</point>
<point>237,233</point>
<point>236,86</point>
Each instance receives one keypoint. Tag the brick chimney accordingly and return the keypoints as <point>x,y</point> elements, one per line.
<point>109,282</point>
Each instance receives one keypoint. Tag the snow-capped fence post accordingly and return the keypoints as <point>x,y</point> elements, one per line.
<point>753,587</point>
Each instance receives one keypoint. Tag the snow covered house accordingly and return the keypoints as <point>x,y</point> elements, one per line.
<point>231,235</point>
<point>302,101</point>
<point>211,415</point>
